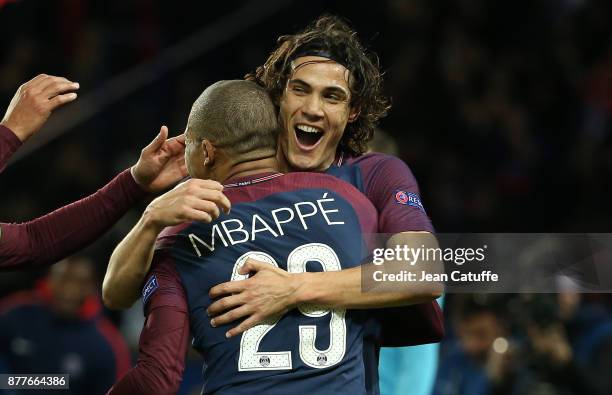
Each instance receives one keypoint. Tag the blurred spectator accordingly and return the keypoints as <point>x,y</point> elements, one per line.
<point>568,347</point>
<point>479,360</point>
<point>528,344</point>
<point>59,328</point>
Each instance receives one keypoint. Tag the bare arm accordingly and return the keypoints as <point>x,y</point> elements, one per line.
<point>193,200</point>
<point>339,289</point>
<point>122,282</point>
<point>358,289</point>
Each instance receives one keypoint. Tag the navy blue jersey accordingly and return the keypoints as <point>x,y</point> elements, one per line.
<point>298,222</point>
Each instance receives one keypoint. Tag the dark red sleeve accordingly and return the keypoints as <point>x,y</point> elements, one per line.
<point>164,338</point>
<point>394,190</point>
<point>9,143</point>
<point>55,236</point>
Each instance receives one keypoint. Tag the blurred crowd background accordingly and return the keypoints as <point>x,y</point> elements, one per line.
<point>503,110</point>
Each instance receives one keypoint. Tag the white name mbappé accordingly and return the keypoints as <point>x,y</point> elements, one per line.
<point>235,231</point>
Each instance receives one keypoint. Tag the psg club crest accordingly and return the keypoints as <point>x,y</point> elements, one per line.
<point>264,360</point>
<point>409,199</point>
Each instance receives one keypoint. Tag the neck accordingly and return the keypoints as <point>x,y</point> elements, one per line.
<point>244,169</point>
<point>283,163</point>
<point>286,167</point>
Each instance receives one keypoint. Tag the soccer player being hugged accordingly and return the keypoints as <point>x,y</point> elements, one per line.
<point>303,224</point>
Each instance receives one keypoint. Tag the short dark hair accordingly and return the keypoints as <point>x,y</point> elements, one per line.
<point>330,34</point>
<point>237,116</point>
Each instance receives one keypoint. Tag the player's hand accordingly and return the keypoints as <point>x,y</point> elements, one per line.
<point>34,101</point>
<point>267,293</point>
<point>192,200</point>
<point>161,163</point>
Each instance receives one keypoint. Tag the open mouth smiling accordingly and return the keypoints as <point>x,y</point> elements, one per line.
<point>308,137</point>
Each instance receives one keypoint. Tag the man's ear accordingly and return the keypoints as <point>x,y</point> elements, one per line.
<point>354,114</point>
<point>209,152</point>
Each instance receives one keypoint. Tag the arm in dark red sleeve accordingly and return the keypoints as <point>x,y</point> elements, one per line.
<point>394,191</point>
<point>9,143</point>
<point>55,236</point>
<point>164,338</point>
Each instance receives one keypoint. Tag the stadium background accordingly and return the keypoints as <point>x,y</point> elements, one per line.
<point>502,109</point>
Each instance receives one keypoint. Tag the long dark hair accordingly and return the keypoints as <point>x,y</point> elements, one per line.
<point>332,35</point>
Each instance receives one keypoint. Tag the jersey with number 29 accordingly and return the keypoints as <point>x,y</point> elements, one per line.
<point>298,222</point>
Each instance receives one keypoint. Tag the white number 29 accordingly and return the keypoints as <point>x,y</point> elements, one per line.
<point>251,360</point>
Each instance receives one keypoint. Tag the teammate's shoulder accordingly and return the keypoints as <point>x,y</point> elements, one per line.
<point>373,158</point>
<point>168,237</point>
<point>377,164</point>
<point>316,180</point>
<point>308,176</point>
<point>174,230</point>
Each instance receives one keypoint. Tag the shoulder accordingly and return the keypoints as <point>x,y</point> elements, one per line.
<point>310,179</point>
<point>377,172</point>
<point>370,157</point>
<point>302,181</point>
<point>376,161</point>
<point>167,238</point>
<point>329,182</point>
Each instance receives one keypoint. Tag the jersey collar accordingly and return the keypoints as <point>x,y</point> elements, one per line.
<point>250,180</point>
